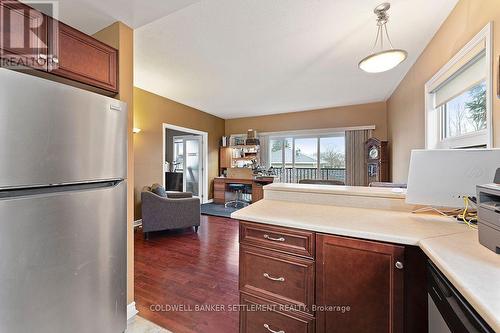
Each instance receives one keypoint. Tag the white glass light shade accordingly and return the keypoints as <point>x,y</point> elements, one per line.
<point>383,61</point>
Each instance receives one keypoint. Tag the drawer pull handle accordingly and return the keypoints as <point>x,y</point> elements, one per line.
<point>281,239</point>
<point>280,279</point>
<point>272,331</point>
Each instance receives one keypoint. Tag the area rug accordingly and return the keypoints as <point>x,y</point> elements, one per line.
<point>217,210</point>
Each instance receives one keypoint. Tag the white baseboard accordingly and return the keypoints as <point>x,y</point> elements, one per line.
<point>209,201</point>
<point>131,311</point>
<point>137,223</point>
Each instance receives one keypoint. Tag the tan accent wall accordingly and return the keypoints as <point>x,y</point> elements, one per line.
<point>121,37</point>
<point>150,112</point>
<point>344,116</point>
<point>406,109</point>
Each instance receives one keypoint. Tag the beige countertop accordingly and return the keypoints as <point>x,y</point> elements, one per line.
<point>471,268</point>
<point>339,190</point>
<point>383,225</point>
<point>453,247</point>
<point>335,195</point>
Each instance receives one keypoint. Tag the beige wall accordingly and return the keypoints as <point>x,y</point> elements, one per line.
<point>344,116</point>
<point>150,112</point>
<point>406,127</point>
<point>121,37</point>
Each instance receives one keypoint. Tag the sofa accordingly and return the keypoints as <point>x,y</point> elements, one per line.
<point>163,210</point>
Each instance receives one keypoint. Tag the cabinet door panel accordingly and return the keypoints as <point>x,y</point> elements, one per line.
<point>77,56</point>
<point>362,275</point>
<point>225,155</point>
<point>23,35</point>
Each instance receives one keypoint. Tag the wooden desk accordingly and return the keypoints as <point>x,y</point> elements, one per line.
<point>220,187</point>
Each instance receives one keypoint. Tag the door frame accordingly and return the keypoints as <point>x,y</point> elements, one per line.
<point>204,143</point>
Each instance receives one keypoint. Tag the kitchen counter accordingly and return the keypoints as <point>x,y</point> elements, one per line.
<point>376,224</point>
<point>471,268</point>
<point>453,247</point>
<point>351,196</point>
<point>339,190</point>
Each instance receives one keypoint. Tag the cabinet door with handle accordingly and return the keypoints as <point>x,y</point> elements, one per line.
<point>79,57</point>
<point>359,286</point>
<point>23,36</point>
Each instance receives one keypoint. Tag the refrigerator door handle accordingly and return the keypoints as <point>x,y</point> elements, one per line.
<point>48,189</point>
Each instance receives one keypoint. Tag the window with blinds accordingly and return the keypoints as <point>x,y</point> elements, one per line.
<point>458,98</point>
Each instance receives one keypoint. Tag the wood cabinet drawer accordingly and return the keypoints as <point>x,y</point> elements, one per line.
<point>257,316</point>
<point>219,185</point>
<point>293,241</point>
<point>278,277</point>
<point>257,192</point>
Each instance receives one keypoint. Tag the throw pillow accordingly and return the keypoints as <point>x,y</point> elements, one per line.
<point>158,190</point>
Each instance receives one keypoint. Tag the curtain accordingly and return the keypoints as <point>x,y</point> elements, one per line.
<point>356,174</point>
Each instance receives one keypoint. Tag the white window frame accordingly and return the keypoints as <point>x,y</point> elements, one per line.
<point>434,117</point>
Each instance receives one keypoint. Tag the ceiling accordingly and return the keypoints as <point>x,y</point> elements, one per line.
<point>236,58</point>
<point>91,16</point>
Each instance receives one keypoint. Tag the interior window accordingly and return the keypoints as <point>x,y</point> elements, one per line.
<point>308,157</point>
<point>305,159</point>
<point>178,154</point>
<point>458,103</point>
<point>466,113</point>
<point>332,158</point>
<point>276,154</point>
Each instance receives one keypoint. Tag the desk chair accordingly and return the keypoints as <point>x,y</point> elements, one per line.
<point>238,202</point>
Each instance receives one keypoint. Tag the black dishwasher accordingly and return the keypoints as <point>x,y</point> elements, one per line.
<point>455,310</point>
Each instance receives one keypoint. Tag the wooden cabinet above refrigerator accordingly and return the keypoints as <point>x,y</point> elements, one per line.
<point>32,40</point>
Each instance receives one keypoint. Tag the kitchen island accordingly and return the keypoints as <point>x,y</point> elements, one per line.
<point>326,235</point>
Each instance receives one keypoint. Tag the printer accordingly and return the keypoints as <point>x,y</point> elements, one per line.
<point>488,212</point>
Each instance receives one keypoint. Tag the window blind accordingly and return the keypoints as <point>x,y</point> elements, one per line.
<point>464,78</point>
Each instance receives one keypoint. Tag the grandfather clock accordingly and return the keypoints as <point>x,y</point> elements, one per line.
<point>377,161</point>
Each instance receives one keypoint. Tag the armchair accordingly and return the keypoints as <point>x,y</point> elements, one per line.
<point>175,211</point>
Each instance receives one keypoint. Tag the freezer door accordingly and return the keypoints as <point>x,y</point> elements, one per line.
<point>51,133</point>
<point>63,261</point>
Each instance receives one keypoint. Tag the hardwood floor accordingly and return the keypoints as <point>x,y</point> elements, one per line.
<point>182,268</point>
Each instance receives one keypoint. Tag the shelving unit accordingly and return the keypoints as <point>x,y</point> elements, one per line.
<point>238,156</point>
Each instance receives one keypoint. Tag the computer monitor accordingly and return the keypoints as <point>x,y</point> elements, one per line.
<point>442,177</point>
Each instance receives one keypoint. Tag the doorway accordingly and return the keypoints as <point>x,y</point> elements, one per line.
<point>185,157</point>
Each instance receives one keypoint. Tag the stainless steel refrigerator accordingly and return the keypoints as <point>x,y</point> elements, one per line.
<point>63,167</point>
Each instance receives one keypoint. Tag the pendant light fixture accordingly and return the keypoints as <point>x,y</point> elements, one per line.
<point>383,59</point>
